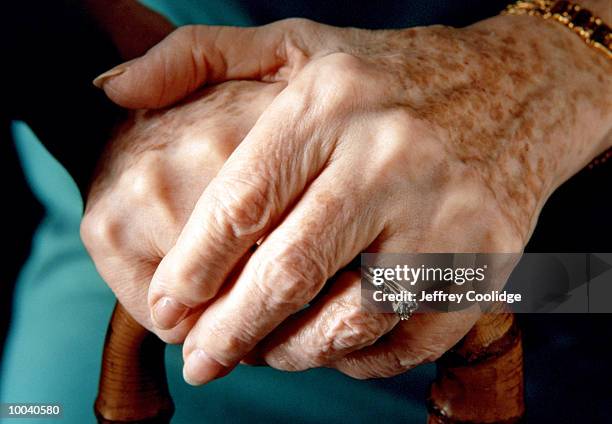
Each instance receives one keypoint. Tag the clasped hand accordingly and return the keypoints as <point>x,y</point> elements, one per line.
<point>343,141</point>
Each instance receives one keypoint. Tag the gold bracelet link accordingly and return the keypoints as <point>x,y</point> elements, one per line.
<point>589,27</point>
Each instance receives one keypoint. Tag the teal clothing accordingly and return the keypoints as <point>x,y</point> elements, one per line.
<point>62,308</point>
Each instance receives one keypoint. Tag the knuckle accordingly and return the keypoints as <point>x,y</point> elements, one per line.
<point>391,365</point>
<point>355,330</point>
<point>143,182</point>
<point>408,149</point>
<point>286,361</point>
<point>172,279</point>
<point>292,24</point>
<point>464,197</point>
<point>499,236</point>
<point>398,125</point>
<point>418,356</point>
<point>341,62</point>
<point>291,278</point>
<point>183,280</point>
<point>497,232</point>
<point>229,343</point>
<point>244,208</point>
<point>339,78</point>
<point>380,366</point>
<point>100,231</point>
<point>86,230</point>
<point>183,33</point>
<point>146,182</point>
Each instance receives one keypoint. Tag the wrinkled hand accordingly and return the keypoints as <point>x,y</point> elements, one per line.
<point>149,179</point>
<point>422,140</point>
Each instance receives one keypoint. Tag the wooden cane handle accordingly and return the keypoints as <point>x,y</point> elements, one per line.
<point>133,386</point>
<point>481,379</point>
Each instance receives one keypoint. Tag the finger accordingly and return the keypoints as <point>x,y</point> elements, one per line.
<point>321,234</point>
<point>139,215</point>
<point>333,327</point>
<point>421,339</point>
<point>127,260</point>
<point>425,336</point>
<point>192,56</point>
<point>128,279</point>
<point>262,177</point>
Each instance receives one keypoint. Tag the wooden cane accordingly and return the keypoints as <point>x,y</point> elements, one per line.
<point>479,381</point>
<point>133,386</point>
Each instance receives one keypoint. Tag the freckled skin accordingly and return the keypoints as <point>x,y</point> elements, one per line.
<point>531,90</point>
<point>429,139</point>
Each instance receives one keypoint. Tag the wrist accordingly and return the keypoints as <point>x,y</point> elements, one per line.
<point>576,118</point>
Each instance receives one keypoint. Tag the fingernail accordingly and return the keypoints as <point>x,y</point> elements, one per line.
<point>102,78</point>
<point>200,368</point>
<point>168,313</point>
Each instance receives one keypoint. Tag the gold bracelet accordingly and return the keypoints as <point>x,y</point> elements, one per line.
<point>589,27</point>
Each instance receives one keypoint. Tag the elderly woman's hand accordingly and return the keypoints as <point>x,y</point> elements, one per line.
<point>422,140</point>
<point>151,176</point>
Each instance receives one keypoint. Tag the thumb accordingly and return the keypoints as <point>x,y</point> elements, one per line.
<point>190,57</point>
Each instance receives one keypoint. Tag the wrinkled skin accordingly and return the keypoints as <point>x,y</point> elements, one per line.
<point>423,140</point>
<point>150,177</point>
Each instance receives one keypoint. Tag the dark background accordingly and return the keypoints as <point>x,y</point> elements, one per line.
<point>568,365</point>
